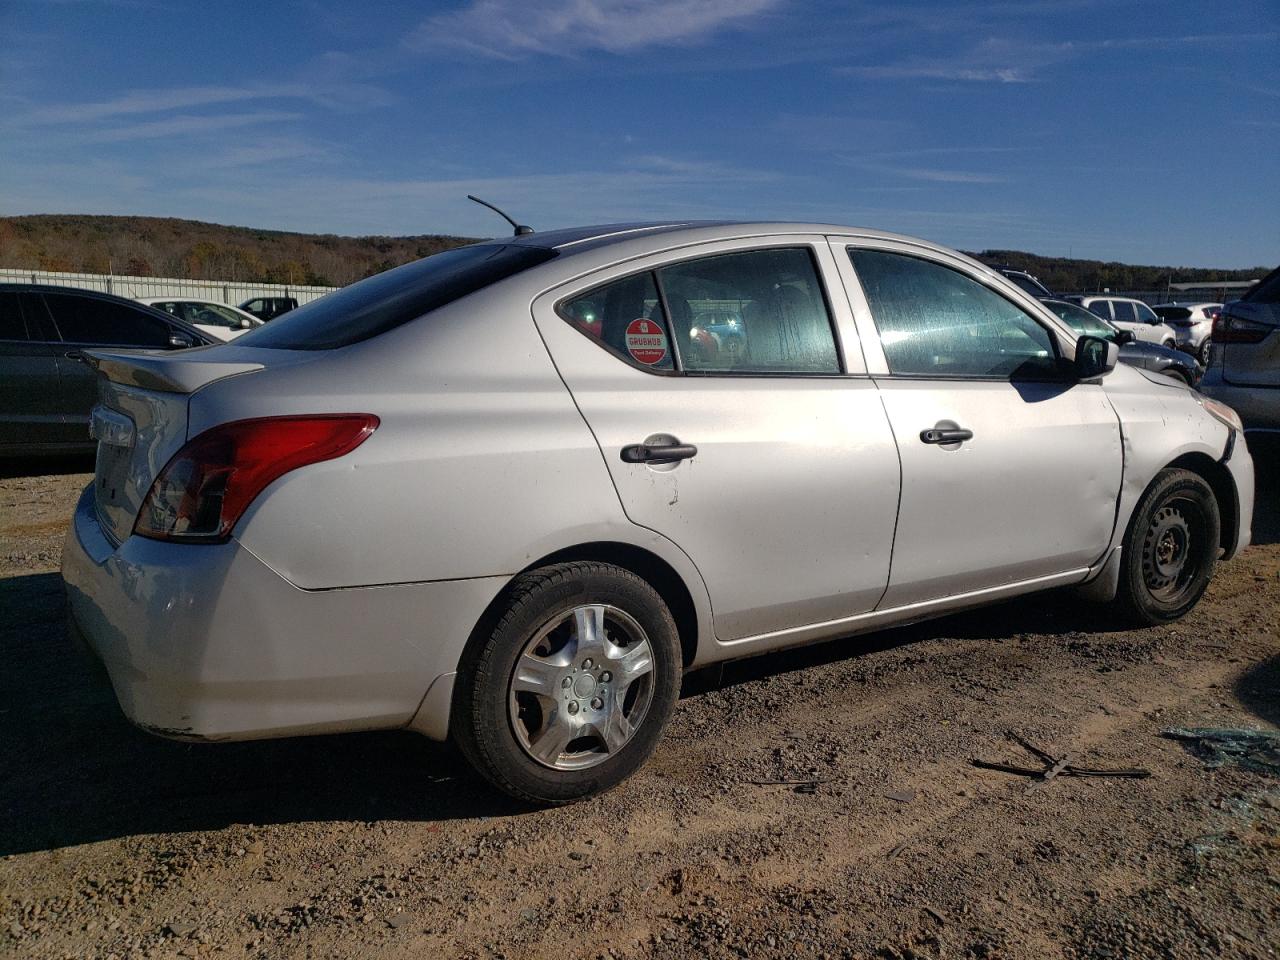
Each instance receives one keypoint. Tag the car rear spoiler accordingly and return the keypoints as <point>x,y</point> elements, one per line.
<point>168,373</point>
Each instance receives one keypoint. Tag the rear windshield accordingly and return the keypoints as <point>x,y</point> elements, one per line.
<point>1268,291</point>
<point>386,301</point>
<point>1173,313</point>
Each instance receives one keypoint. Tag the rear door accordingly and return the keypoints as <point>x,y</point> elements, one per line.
<point>783,484</point>
<point>1009,473</point>
<point>29,387</point>
<point>86,323</point>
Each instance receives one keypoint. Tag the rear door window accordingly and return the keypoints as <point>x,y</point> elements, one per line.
<point>935,321</point>
<point>759,311</point>
<point>1102,308</point>
<point>90,320</point>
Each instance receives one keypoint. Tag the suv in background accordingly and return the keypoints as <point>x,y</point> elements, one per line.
<point>1192,325</point>
<point>1244,364</point>
<point>46,387</point>
<point>268,308</point>
<point>1129,314</point>
<point>1025,282</point>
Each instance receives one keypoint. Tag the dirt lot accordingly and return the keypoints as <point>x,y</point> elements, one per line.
<point>113,843</point>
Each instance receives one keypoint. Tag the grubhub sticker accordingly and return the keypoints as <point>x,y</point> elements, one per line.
<point>646,341</point>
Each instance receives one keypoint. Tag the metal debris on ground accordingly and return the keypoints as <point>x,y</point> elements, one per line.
<point>1256,750</point>
<point>1054,766</point>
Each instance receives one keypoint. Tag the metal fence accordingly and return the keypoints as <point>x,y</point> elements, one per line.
<point>225,291</point>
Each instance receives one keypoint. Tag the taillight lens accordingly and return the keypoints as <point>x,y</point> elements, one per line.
<point>210,482</point>
<point>1229,329</point>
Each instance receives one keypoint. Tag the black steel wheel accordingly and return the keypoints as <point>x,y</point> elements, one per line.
<point>1170,548</point>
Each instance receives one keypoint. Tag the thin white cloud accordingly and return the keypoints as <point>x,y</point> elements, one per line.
<point>513,29</point>
<point>999,60</point>
<point>139,102</point>
<point>184,125</point>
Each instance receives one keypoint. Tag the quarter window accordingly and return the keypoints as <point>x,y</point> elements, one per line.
<point>627,317</point>
<point>90,320</point>
<point>761,311</point>
<point>935,321</point>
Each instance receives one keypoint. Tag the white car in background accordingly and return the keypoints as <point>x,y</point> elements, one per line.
<point>1129,314</point>
<point>1192,325</point>
<point>214,318</point>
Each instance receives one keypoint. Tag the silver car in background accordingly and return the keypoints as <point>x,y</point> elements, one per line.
<point>509,493</point>
<point>1244,363</point>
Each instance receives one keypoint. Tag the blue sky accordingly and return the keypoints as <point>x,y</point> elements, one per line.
<point>1147,132</point>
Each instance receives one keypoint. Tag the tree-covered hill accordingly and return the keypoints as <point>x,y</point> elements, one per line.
<point>159,246</point>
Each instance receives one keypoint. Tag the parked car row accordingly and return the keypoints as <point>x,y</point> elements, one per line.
<point>377,512</point>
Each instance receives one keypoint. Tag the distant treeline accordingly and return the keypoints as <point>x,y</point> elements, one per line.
<point>164,247</point>
<point>159,246</point>
<point>1068,276</point>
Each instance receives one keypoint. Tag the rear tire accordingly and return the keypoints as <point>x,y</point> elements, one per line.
<point>1170,549</point>
<point>1204,352</point>
<point>1170,344</point>
<point>568,694</point>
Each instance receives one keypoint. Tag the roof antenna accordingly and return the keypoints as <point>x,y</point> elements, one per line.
<point>521,229</point>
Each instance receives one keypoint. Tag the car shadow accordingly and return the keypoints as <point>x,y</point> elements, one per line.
<point>74,770</point>
<point>46,466</point>
<point>1266,512</point>
<point>1259,690</point>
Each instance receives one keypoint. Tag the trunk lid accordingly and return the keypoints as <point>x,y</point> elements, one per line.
<point>140,421</point>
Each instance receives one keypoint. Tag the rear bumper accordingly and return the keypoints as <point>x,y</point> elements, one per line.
<point>1259,407</point>
<point>206,642</point>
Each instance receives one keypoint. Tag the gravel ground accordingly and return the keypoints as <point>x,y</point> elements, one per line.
<point>814,803</point>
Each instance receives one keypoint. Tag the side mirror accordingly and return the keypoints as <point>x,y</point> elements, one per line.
<point>180,341</point>
<point>1125,336</point>
<point>1095,357</point>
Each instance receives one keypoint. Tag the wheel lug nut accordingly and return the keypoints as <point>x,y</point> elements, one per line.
<point>573,707</point>
<point>596,703</point>
<point>567,682</point>
<point>586,664</point>
<point>606,677</point>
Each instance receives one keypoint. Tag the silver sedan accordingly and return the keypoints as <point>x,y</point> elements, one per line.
<point>509,493</point>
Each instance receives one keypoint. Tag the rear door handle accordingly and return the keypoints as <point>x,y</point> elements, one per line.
<point>76,355</point>
<point>657,453</point>
<point>937,435</point>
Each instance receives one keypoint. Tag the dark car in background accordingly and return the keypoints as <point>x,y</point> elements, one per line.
<point>1244,362</point>
<point>268,308</point>
<point>1137,353</point>
<point>46,387</point>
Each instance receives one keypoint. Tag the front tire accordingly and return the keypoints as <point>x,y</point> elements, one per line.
<point>1170,549</point>
<point>569,693</point>
<point>1204,352</point>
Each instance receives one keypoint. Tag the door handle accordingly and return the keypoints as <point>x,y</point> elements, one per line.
<point>940,435</point>
<point>657,453</point>
<point>76,355</point>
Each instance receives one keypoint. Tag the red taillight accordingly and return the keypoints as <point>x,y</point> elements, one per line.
<point>210,482</point>
<point>1229,329</point>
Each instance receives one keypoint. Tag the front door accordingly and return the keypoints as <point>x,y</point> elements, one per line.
<point>780,474</point>
<point>1010,472</point>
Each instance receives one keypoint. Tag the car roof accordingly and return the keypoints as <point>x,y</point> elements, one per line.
<point>571,241</point>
